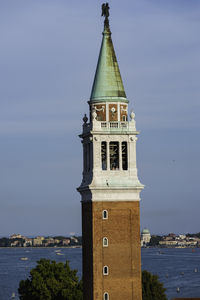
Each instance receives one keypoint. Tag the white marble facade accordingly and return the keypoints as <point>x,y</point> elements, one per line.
<point>109,184</point>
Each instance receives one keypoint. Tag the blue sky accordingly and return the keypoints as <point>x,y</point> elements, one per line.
<point>48,56</point>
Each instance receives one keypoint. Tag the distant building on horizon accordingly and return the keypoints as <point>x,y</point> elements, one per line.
<point>16,236</point>
<point>145,237</point>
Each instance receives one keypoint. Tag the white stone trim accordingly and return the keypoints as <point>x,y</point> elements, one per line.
<point>103,213</point>
<point>105,195</point>
<point>104,296</point>
<point>105,239</point>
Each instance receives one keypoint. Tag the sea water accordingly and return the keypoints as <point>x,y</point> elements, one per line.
<point>176,268</point>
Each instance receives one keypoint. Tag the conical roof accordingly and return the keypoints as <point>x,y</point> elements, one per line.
<point>108,85</point>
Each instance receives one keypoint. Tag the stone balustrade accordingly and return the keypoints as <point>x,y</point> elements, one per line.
<point>109,126</point>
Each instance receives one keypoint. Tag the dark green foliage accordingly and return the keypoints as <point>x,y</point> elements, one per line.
<point>193,235</point>
<point>155,239</point>
<point>152,288</point>
<point>56,281</point>
<point>59,237</point>
<point>51,281</point>
<point>5,242</point>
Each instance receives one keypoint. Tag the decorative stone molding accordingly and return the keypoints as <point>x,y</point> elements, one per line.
<point>99,109</point>
<point>124,109</point>
<point>113,109</point>
<point>94,115</point>
<point>132,116</point>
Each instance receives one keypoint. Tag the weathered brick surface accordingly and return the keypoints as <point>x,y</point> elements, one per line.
<point>122,256</point>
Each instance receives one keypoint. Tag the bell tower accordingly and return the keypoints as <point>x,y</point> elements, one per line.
<point>110,187</point>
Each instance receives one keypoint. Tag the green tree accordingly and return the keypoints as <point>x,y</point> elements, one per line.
<point>193,235</point>
<point>155,239</point>
<point>56,281</point>
<point>51,281</point>
<point>5,242</point>
<point>152,288</point>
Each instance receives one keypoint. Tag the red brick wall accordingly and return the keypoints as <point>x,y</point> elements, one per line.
<point>122,256</point>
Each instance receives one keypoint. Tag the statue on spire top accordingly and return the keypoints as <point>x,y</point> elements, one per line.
<point>105,10</point>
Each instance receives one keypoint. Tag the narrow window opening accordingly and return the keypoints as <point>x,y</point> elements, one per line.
<point>103,155</point>
<point>124,118</point>
<point>105,270</point>
<point>105,214</point>
<point>124,156</point>
<point>114,155</point>
<point>106,296</point>
<point>105,242</point>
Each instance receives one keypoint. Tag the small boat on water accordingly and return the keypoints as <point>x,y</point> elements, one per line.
<point>57,250</point>
<point>178,290</point>
<point>195,270</point>
<point>58,253</point>
<point>24,258</point>
<point>13,296</point>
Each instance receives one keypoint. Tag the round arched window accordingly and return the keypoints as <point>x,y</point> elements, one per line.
<point>105,296</point>
<point>105,270</point>
<point>105,242</point>
<point>105,214</point>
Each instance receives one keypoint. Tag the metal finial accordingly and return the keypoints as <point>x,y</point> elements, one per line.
<point>85,119</point>
<point>105,12</point>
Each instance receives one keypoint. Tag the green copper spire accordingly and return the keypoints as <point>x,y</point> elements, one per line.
<point>108,85</point>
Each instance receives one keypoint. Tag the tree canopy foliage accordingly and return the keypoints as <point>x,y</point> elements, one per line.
<point>50,280</point>
<point>193,234</point>
<point>155,239</point>
<point>5,242</point>
<point>152,288</point>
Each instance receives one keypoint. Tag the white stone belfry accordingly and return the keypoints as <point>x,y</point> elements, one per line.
<point>120,184</point>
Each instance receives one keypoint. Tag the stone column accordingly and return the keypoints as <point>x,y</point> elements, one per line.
<point>118,112</point>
